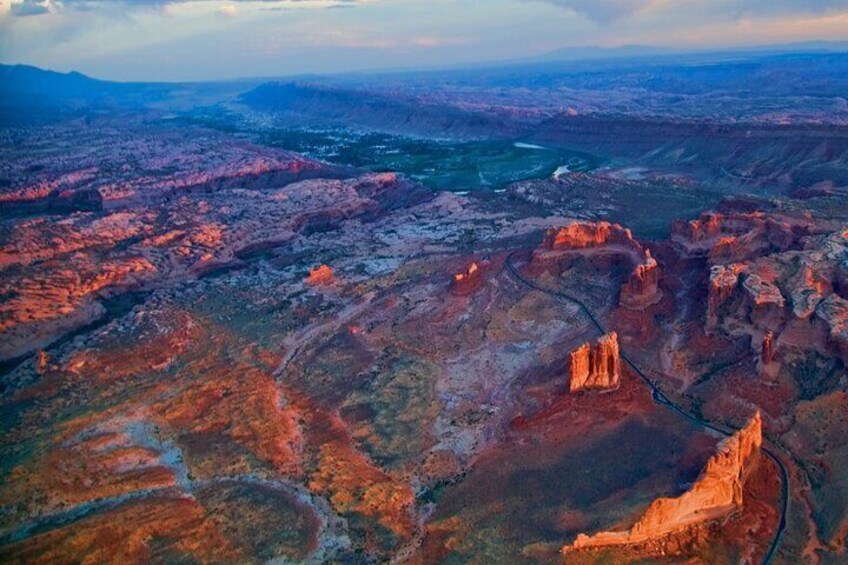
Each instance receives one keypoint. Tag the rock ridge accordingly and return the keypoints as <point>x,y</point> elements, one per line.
<point>717,493</point>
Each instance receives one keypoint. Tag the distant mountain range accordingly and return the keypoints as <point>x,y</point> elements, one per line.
<point>29,94</point>
<point>585,53</point>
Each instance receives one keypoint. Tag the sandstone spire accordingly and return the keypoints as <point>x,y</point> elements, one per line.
<point>767,353</point>
<point>642,287</point>
<point>595,367</point>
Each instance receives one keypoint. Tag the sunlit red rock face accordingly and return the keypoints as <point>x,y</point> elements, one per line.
<point>470,279</point>
<point>793,295</point>
<point>716,493</point>
<point>768,332</point>
<point>595,367</point>
<point>605,242</point>
<point>582,235</point>
<point>734,237</point>
<point>59,274</point>
<point>320,276</point>
<point>61,297</point>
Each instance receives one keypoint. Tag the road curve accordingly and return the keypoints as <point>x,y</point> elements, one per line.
<point>661,398</point>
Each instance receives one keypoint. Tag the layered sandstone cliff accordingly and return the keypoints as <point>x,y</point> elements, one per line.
<point>727,238</point>
<point>718,492</point>
<point>596,367</point>
<point>796,295</point>
<point>614,244</point>
<point>583,235</point>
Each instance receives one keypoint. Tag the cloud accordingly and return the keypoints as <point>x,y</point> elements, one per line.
<point>228,10</point>
<point>747,8</point>
<point>38,7</point>
<point>605,11</point>
<point>601,11</point>
<point>30,8</point>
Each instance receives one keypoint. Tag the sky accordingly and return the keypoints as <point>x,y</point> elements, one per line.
<point>221,39</point>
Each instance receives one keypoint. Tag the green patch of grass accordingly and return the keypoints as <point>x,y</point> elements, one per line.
<point>440,165</point>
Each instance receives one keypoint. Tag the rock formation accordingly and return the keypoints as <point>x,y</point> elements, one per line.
<point>582,235</point>
<point>595,367</point>
<point>734,237</point>
<point>320,276</point>
<point>767,353</point>
<point>469,280</point>
<point>833,311</point>
<point>640,290</point>
<point>642,287</point>
<point>723,281</point>
<point>799,293</point>
<point>718,492</point>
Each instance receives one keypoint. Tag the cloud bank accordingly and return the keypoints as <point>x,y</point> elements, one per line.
<point>605,11</point>
<point>39,7</point>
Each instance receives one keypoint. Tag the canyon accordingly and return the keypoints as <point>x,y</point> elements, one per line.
<point>497,314</point>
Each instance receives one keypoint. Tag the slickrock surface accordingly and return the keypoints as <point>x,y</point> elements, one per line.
<point>716,493</point>
<point>59,273</point>
<point>595,367</point>
<point>178,382</point>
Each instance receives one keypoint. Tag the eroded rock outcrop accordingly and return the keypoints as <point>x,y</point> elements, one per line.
<point>767,352</point>
<point>611,243</point>
<point>797,293</point>
<point>642,287</point>
<point>727,238</point>
<point>718,492</point>
<point>469,280</point>
<point>583,235</point>
<point>320,276</point>
<point>833,312</point>
<point>595,367</point>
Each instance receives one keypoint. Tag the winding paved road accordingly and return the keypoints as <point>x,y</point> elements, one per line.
<point>660,397</point>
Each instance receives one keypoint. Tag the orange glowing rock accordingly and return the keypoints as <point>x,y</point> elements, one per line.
<point>469,280</point>
<point>716,494</point>
<point>41,363</point>
<point>596,367</point>
<point>582,235</point>
<point>319,276</point>
<point>768,348</point>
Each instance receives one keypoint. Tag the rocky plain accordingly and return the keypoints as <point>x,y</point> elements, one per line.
<point>216,350</point>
